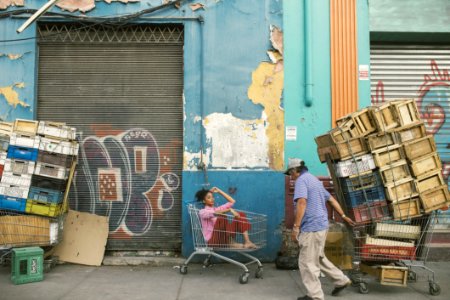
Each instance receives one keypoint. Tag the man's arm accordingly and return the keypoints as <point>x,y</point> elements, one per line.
<point>337,207</point>
<point>300,212</point>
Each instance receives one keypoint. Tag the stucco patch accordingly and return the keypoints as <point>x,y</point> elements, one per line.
<point>266,89</point>
<point>11,96</point>
<point>236,143</point>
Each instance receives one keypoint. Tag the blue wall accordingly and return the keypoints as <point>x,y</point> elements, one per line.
<point>220,55</point>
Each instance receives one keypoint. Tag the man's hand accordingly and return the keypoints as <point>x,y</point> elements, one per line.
<point>349,221</point>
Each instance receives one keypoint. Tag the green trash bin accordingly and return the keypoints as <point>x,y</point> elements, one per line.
<point>27,265</point>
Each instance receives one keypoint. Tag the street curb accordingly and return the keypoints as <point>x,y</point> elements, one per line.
<point>140,260</point>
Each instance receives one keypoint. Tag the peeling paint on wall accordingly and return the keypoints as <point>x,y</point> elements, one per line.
<point>4,4</point>
<point>236,143</point>
<point>266,89</point>
<point>11,96</point>
<point>12,56</point>
<point>191,160</point>
<point>74,5</point>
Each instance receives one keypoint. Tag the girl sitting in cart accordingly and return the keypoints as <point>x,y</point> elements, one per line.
<point>217,230</point>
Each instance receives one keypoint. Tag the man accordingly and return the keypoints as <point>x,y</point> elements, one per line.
<point>310,230</point>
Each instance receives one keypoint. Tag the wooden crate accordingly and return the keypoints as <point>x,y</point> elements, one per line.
<point>406,112</point>
<point>344,150</point>
<point>384,116</point>
<point>425,164</point>
<point>401,189</point>
<point>435,198</point>
<point>429,180</point>
<point>324,140</point>
<point>363,122</point>
<point>335,135</point>
<point>406,209</point>
<point>411,133</point>
<point>26,126</point>
<point>393,275</point>
<point>395,171</point>
<point>388,155</point>
<point>420,147</point>
<point>376,141</point>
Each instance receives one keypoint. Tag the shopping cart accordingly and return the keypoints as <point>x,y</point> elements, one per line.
<point>390,241</point>
<point>18,230</point>
<point>257,234</point>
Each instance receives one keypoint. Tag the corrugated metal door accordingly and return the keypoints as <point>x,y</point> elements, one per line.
<point>420,72</point>
<point>121,87</point>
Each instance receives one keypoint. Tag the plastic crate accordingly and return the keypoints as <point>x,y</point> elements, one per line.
<point>23,140</point>
<point>355,166</point>
<point>43,208</point>
<point>16,179</point>
<point>376,211</point>
<point>385,253</point>
<point>58,146</point>
<point>45,195</point>
<point>56,130</point>
<point>52,171</point>
<point>25,126</point>
<point>48,183</point>
<point>27,265</point>
<point>12,203</point>
<point>363,181</point>
<point>364,196</point>
<point>55,159</point>
<point>14,191</point>
<point>4,142</point>
<point>22,153</point>
<point>18,166</point>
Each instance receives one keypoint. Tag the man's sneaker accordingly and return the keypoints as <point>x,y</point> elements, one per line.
<point>338,289</point>
<point>304,298</point>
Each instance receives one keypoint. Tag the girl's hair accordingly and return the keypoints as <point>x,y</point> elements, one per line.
<point>201,194</point>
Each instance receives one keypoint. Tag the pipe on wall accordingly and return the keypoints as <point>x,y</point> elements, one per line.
<point>308,54</point>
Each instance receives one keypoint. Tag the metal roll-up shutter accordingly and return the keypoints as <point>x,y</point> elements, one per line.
<point>121,87</point>
<point>420,72</point>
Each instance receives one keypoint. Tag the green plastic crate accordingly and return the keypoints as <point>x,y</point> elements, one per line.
<point>27,265</point>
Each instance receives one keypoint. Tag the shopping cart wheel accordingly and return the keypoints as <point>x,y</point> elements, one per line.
<point>183,269</point>
<point>412,276</point>
<point>363,288</point>
<point>207,262</point>
<point>435,289</point>
<point>259,273</point>
<point>243,279</point>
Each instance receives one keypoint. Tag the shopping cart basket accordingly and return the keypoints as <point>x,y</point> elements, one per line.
<point>232,242</point>
<point>18,230</point>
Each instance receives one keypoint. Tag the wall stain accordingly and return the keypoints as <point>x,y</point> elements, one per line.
<point>4,4</point>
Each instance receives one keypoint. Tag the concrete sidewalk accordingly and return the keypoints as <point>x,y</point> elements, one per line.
<point>220,281</point>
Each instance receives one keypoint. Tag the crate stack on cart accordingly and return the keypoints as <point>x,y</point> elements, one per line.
<point>389,178</point>
<point>37,162</point>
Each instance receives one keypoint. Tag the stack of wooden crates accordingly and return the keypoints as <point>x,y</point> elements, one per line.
<point>385,153</point>
<point>390,175</point>
<point>37,162</point>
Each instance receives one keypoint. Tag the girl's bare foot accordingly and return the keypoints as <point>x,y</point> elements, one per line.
<point>249,245</point>
<point>237,245</point>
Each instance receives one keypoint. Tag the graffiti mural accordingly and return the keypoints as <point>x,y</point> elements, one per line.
<point>125,177</point>
<point>433,96</point>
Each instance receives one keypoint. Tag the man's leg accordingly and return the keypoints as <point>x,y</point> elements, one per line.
<point>308,263</point>
<point>337,276</point>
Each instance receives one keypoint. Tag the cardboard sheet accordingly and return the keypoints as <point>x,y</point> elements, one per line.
<point>84,239</point>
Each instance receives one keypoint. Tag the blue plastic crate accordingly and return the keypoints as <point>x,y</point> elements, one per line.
<point>48,183</point>
<point>45,195</point>
<point>12,203</point>
<point>22,153</point>
<point>365,196</point>
<point>363,181</point>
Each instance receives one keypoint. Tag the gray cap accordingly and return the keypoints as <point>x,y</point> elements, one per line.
<point>293,163</point>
